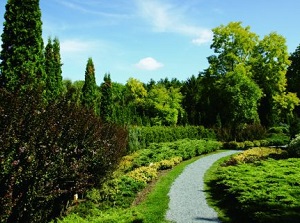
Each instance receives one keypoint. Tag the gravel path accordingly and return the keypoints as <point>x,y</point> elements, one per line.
<point>187,197</point>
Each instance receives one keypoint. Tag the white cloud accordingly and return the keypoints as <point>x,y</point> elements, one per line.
<point>75,45</point>
<point>204,37</point>
<point>149,63</point>
<point>169,18</point>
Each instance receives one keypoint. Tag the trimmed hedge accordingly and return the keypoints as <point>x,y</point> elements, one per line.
<point>142,137</point>
<point>50,152</point>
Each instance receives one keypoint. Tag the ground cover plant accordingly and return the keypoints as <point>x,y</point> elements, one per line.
<point>255,190</point>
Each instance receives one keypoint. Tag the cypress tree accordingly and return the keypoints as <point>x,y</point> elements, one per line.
<point>106,98</point>
<point>53,70</point>
<point>57,65</point>
<point>22,56</point>
<point>89,89</point>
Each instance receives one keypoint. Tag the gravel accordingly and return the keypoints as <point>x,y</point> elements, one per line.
<point>187,197</point>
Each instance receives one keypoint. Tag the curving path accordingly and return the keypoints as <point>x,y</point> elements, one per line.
<point>187,197</point>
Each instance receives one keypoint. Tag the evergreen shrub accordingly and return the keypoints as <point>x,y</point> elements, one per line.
<point>50,152</point>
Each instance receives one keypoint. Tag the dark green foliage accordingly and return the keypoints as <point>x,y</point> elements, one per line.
<point>73,91</point>
<point>89,89</point>
<point>265,191</point>
<point>191,99</point>
<point>106,98</point>
<point>279,130</point>
<point>54,84</point>
<point>47,154</point>
<point>293,72</point>
<point>277,139</point>
<point>141,137</point>
<point>249,132</point>
<point>22,59</point>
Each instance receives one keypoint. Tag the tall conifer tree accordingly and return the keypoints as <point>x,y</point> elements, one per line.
<point>53,69</point>
<point>89,89</point>
<point>22,56</point>
<point>106,98</point>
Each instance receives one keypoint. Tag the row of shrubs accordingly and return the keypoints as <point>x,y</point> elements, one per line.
<point>49,152</point>
<point>252,187</point>
<point>272,139</point>
<point>140,137</point>
<point>134,173</point>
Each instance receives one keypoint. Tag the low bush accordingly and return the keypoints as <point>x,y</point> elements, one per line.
<point>49,152</point>
<point>144,174</point>
<point>274,139</point>
<point>168,164</point>
<point>256,154</point>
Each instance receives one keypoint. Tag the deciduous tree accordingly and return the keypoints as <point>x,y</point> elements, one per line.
<point>164,105</point>
<point>239,96</point>
<point>270,63</point>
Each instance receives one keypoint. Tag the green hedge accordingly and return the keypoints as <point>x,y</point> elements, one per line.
<point>142,137</point>
<point>50,152</point>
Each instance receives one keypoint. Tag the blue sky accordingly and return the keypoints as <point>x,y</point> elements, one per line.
<point>155,39</point>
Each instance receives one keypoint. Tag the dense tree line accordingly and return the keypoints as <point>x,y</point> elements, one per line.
<point>249,81</point>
